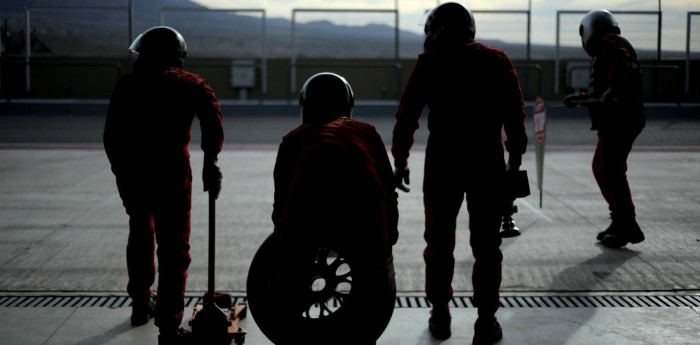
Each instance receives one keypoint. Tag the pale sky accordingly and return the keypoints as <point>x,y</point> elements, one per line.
<point>674,13</point>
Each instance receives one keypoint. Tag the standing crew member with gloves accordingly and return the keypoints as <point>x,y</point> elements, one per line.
<point>146,138</point>
<point>614,101</point>
<point>472,92</point>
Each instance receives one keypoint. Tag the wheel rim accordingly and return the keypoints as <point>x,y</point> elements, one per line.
<point>330,285</point>
<point>317,290</point>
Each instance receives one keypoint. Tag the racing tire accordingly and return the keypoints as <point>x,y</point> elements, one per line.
<point>317,294</point>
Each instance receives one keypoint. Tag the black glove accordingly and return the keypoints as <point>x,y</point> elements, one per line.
<point>212,176</point>
<point>401,175</point>
<point>514,162</point>
<point>574,99</point>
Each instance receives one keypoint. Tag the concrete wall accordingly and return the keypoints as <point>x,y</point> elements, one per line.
<point>372,80</point>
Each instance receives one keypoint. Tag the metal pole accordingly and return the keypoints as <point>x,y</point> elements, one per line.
<point>27,54</point>
<point>397,56</point>
<point>556,60</point>
<point>396,29</point>
<point>293,65</point>
<point>212,243</point>
<point>264,56</point>
<point>658,43</point>
<point>529,26</point>
<point>131,21</point>
<point>130,56</point>
<point>687,55</point>
<point>1,47</point>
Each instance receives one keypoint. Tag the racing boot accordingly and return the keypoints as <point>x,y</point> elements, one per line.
<point>626,231</point>
<point>173,337</point>
<point>439,323</point>
<point>487,331</point>
<point>609,231</point>
<point>141,312</point>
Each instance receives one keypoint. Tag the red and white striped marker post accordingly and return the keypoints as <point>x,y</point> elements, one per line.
<point>539,116</point>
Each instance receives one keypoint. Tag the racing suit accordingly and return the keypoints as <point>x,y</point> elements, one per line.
<point>333,172</point>
<point>618,121</point>
<point>472,92</point>
<point>334,188</point>
<point>146,138</point>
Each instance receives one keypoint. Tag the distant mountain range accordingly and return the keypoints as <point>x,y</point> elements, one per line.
<point>80,31</point>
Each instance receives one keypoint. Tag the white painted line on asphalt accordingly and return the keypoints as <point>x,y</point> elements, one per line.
<point>535,210</point>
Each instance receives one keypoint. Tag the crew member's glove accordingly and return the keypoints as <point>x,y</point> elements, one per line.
<point>514,162</point>
<point>212,176</point>
<point>401,175</point>
<point>574,99</point>
<point>608,96</point>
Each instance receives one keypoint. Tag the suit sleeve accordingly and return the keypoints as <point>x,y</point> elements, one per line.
<point>390,195</point>
<point>513,111</point>
<point>113,129</point>
<point>411,105</point>
<point>211,122</point>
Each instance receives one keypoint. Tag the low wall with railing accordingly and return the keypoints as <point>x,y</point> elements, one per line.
<point>373,80</point>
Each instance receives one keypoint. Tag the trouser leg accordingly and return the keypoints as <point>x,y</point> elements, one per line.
<point>610,171</point>
<point>172,228</point>
<point>484,225</point>
<point>441,210</point>
<point>140,257</point>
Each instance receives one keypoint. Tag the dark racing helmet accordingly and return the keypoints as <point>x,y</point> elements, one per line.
<point>325,96</point>
<point>594,26</point>
<point>161,45</point>
<point>449,20</point>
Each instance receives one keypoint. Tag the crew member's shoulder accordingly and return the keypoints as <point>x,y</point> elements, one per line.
<point>187,75</point>
<point>473,48</point>
<point>486,49</point>
<point>298,131</point>
<point>355,123</point>
<point>615,41</point>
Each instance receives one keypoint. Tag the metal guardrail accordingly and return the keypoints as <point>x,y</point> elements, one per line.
<point>294,64</point>
<point>263,32</point>
<point>28,29</point>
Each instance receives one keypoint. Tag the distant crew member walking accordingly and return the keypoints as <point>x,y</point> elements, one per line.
<point>614,100</point>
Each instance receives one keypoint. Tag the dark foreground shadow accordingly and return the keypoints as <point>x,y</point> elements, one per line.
<point>108,335</point>
<point>589,276</point>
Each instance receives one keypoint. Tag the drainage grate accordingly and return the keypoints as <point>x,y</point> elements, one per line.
<point>418,301</point>
<point>568,301</point>
<point>596,301</point>
<point>64,301</point>
<point>55,301</point>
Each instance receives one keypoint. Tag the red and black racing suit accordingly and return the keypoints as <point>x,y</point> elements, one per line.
<point>146,138</point>
<point>334,187</point>
<point>472,91</point>
<point>618,121</point>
